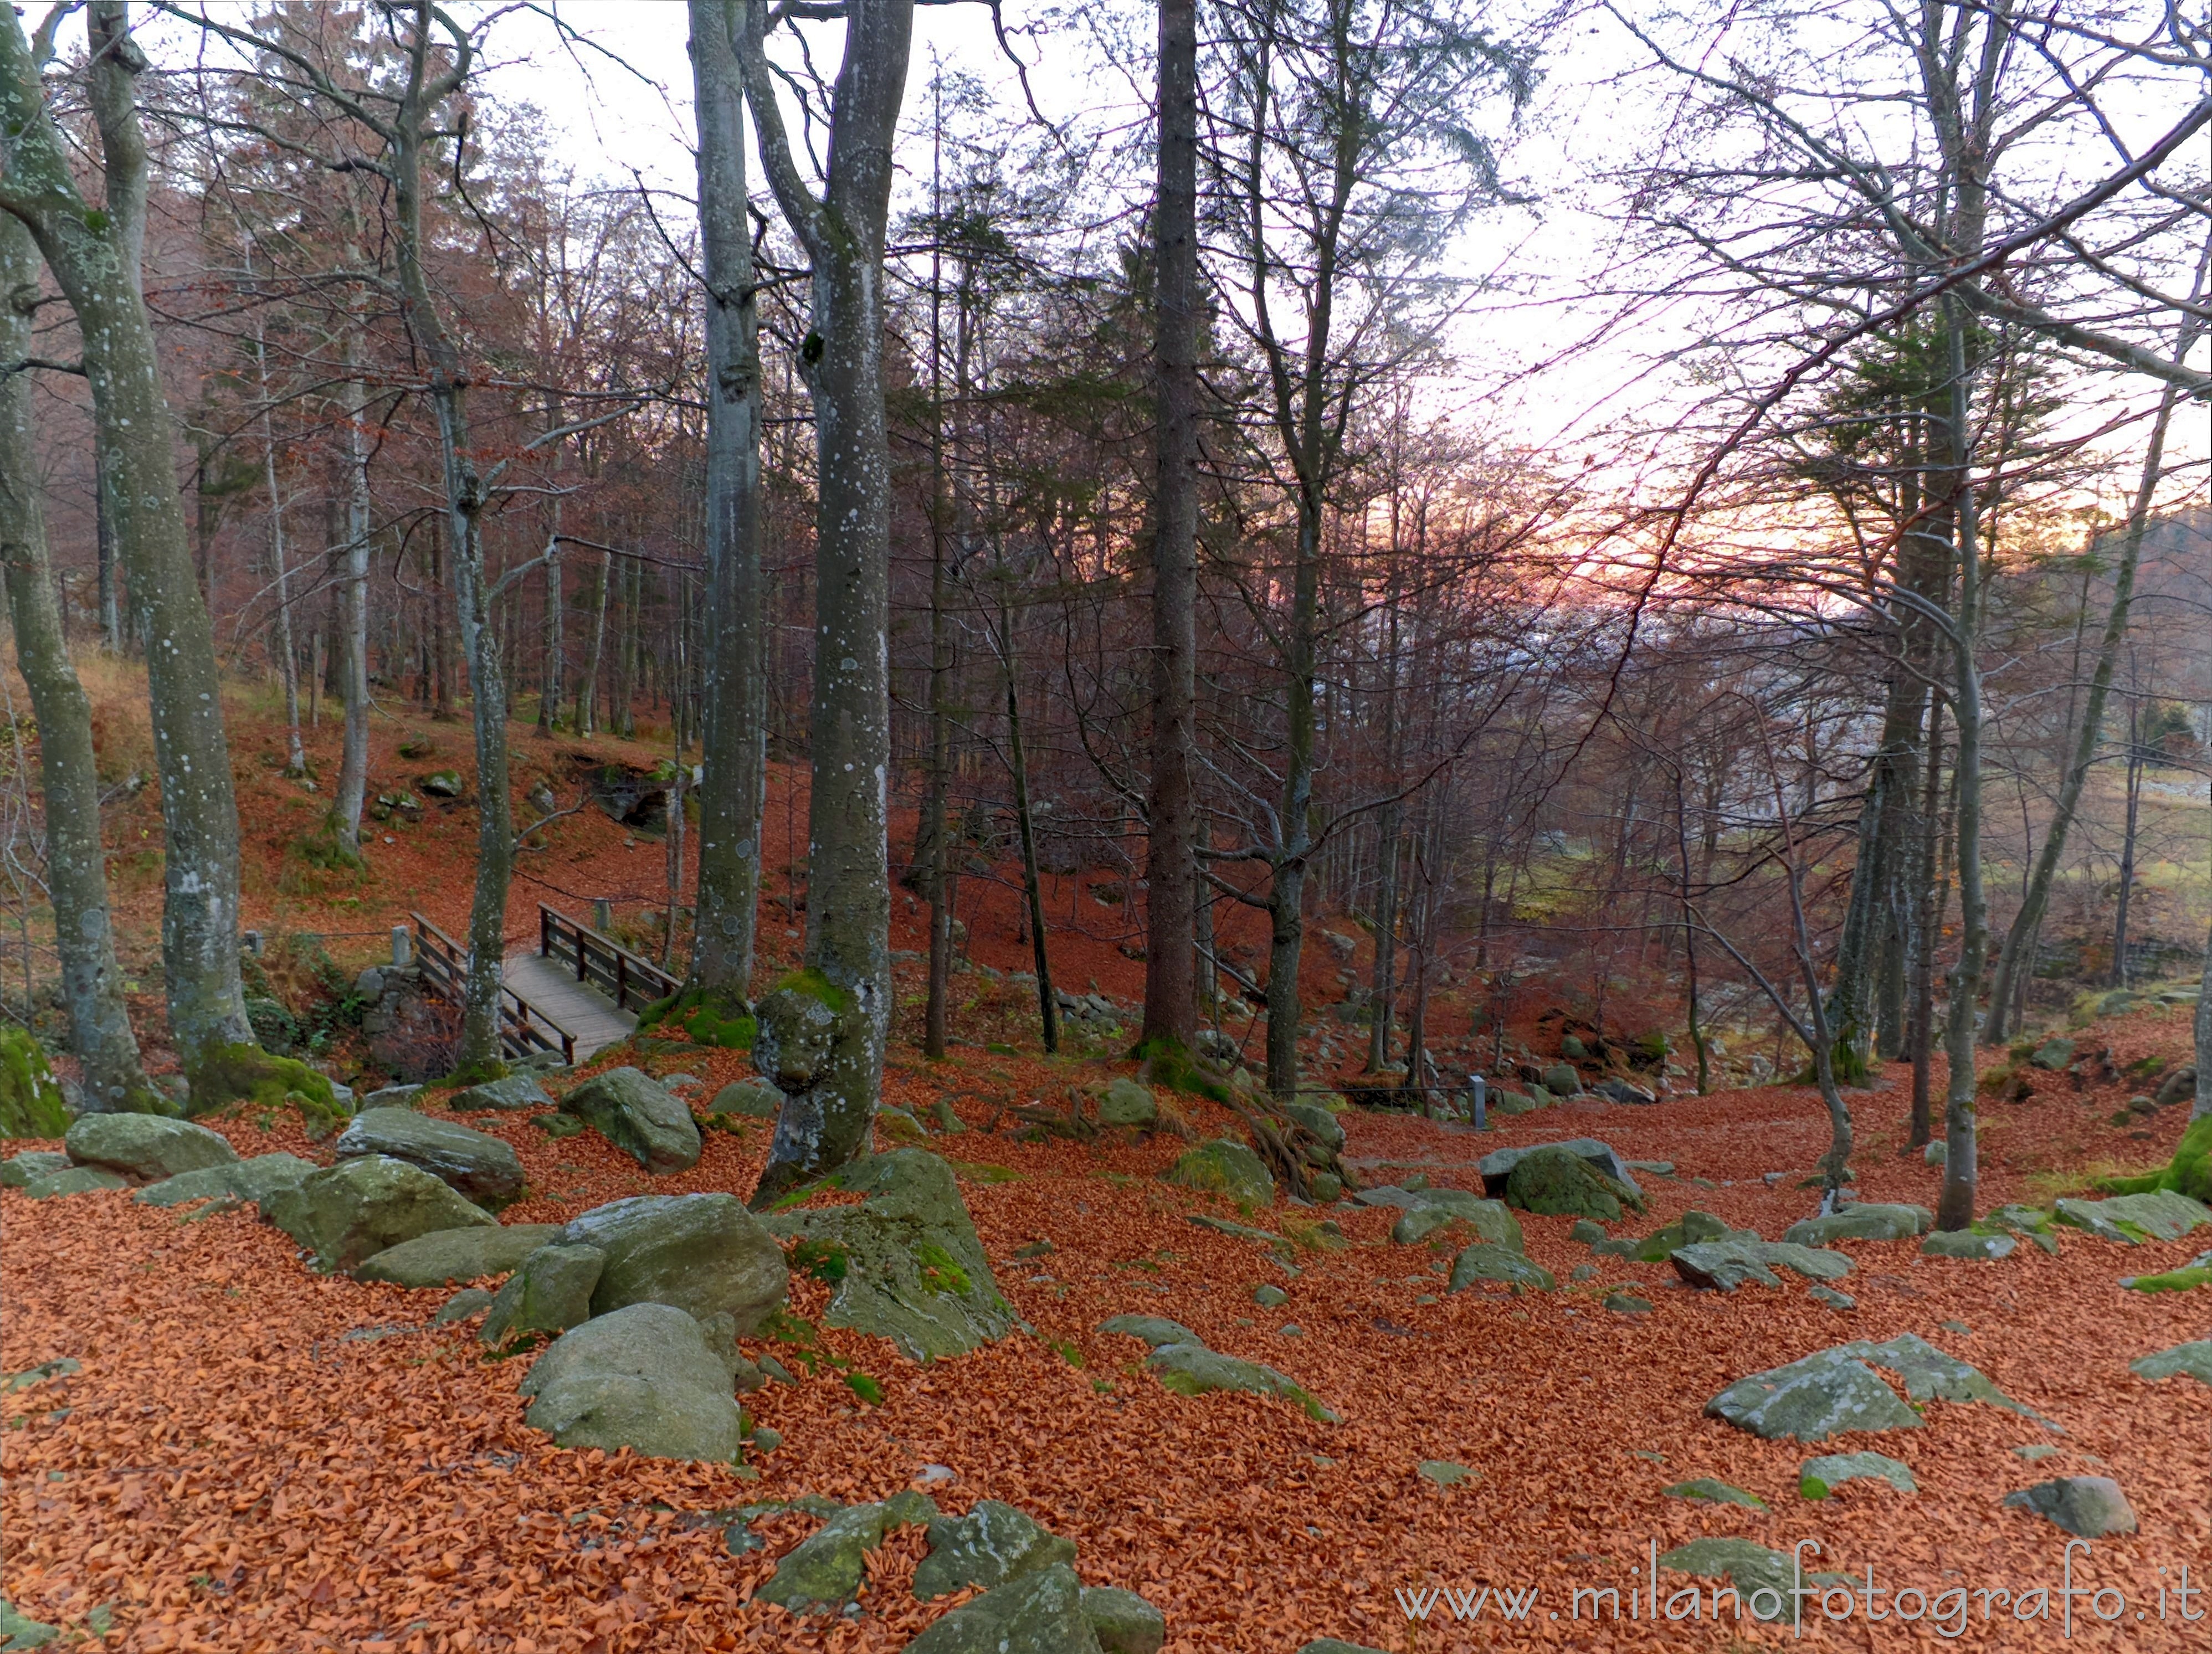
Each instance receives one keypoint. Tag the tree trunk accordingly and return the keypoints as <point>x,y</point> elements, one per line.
<point>2016,962</point>
<point>1026,825</point>
<point>287,654</point>
<point>830,1095</point>
<point>76,876</point>
<point>735,746</point>
<point>587,686</point>
<point>2135,773</point>
<point>103,534</point>
<point>550,689</point>
<point>353,612</point>
<point>1171,882</point>
<point>97,271</point>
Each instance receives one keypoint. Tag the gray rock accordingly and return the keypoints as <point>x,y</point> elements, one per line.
<point>641,1378</point>
<point>682,1082</point>
<point>1869,1221</point>
<point>1224,1167</point>
<point>705,1254</point>
<point>2192,1360</point>
<point>369,985</point>
<point>914,1271</point>
<point>1039,1613</point>
<point>1763,1579</point>
<point>1823,1395</point>
<point>751,1099</point>
<point>1931,1375</point>
<point>1936,1153</point>
<point>21,1170</point>
<point>446,1256</point>
<point>469,1300</point>
<point>76,1180</point>
<point>2091,1507</point>
<point>1125,1103</point>
<point>1822,1476</point>
<point>550,1292</point>
<point>1821,1292</point>
<point>1484,1262</point>
<point>1123,1622</point>
<point>1728,1264</point>
<point>392,1096</point>
<point>19,1631</point>
<point>1709,1490</point>
<point>347,1213</point>
<point>1151,1330</point>
<point>481,1167</point>
<point>1445,1472</point>
<point>146,1148</point>
<point>1561,1081</point>
<point>1496,1166</point>
<point>1627,1304</point>
<point>993,1543</point>
<point>826,1569</point>
<point>2163,1214</point>
<point>639,1116</point>
<point>1427,1210</point>
<point>1194,1370</point>
<point>2052,1054</point>
<point>1616,1088</point>
<point>1268,1297</point>
<point>1966,1244</point>
<point>511,1095</point>
<point>1336,1645</point>
<point>2181,1083</point>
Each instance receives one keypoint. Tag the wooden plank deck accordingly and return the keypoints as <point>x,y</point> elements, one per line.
<point>552,988</point>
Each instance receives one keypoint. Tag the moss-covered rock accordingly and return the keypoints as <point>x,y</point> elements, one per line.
<point>1486,1262</point>
<point>639,1116</point>
<point>2163,1214</point>
<point>2192,1360</point>
<point>243,1073</point>
<point>550,1292</point>
<point>1039,1613</point>
<point>1725,1265</point>
<point>1558,1183</point>
<point>1868,1221</point>
<point>512,1095</point>
<point>30,1097</point>
<point>1123,1622</point>
<point>1224,1167</point>
<point>349,1213</point>
<point>1125,1103</point>
<point>1194,1370</point>
<point>826,1570</point>
<point>21,1170</point>
<point>2189,1171</point>
<point>1151,1330</point>
<point>705,1254</point>
<point>993,1543</point>
<point>914,1271</point>
<point>75,1180</point>
<point>644,1378</point>
<point>146,1148</point>
<point>746,1099</point>
<point>446,1256</point>
<point>1764,1581</point>
<point>1969,1246</point>
<point>1709,1490</point>
<point>484,1169</point>
<point>1822,1476</point>
<point>231,1185</point>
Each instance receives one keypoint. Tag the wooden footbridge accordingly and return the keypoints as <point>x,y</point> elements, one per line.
<point>580,991</point>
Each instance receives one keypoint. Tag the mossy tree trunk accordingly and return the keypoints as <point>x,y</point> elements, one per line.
<point>99,1023</point>
<point>848,883</point>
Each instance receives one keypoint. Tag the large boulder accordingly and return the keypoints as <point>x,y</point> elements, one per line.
<point>446,1256</point>
<point>1558,1183</point>
<point>904,1264</point>
<point>2052,1054</point>
<point>702,1253</point>
<point>1498,1165</point>
<point>550,1292</point>
<point>2091,1506</point>
<point>993,1543</point>
<point>1040,1613</point>
<point>1823,1395</point>
<point>31,1103</point>
<point>231,1185</point>
<point>1931,1375</point>
<point>2192,1360</point>
<point>1224,1167</point>
<point>639,1116</point>
<point>1194,1370</point>
<point>642,1377</point>
<point>1427,1210</point>
<point>146,1148</point>
<point>347,1213</point>
<point>1870,1221</point>
<point>1486,1262</point>
<point>482,1167</point>
<point>509,1095</point>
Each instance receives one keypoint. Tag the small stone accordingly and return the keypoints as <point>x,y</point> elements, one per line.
<point>1936,1152</point>
<point>1445,1472</point>
<point>76,1180</point>
<point>1708,1490</point>
<point>1627,1304</point>
<point>1582,1272</point>
<point>2091,1506</point>
<point>1821,1292</point>
<point>1270,1297</point>
<point>765,1439</point>
<point>1290,1329</point>
<point>469,1301</point>
<point>1586,1231</point>
<point>1821,1476</point>
<point>2035,1452</point>
<point>1966,1243</point>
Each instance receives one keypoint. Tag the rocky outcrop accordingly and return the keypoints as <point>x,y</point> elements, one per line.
<point>705,1254</point>
<point>482,1168</point>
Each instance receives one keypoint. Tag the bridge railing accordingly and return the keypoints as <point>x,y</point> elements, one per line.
<point>523,1028</point>
<point>631,980</point>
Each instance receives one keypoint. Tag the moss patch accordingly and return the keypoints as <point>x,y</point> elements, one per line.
<point>1167,1063</point>
<point>2189,1171</point>
<point>709,1017</point>
<point>238,1072</point>
<point>814,985</point>
<point>2175,1281</point>
<point>30,1099</point>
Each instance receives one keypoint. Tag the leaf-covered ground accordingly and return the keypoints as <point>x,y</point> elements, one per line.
<point>250,1456</point>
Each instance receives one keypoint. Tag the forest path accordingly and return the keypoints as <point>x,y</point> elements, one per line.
<point>586,1012</point>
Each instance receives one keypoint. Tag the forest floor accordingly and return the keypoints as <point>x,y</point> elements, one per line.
<point>246,1455</point>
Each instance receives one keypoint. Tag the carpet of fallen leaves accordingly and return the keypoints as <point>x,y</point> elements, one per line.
<point>251,1457</point>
